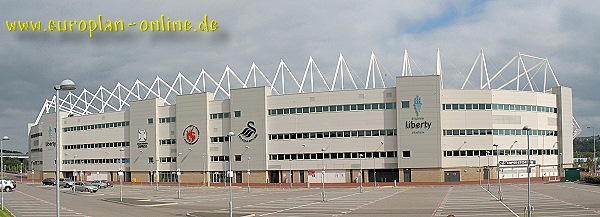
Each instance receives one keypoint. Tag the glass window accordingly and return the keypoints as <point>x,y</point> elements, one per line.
<point>150,120</point>
<point>346,107</point>
<point>475,106</point>
<point>286,111</point>
<point>406,154</point>
<point>361,133</point>
<point>461,106</point>
<point>375,106</point>
<point>319,108</point>
<point>367,106</point>
<point>406,104</point>
<point>361,107</point>
<point>353,107</point>
<point>375,132</point>
<point>332,108</point>
<point>305,110</point>
<point>339,108</point>
<point>469,106</point>
<point>389,105</point>
<point>226,115</point>
<point>292,111</point>
<point>313,109</point>
<point>454,106</point>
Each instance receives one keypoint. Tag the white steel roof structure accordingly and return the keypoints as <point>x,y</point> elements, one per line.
<point>525,73</point>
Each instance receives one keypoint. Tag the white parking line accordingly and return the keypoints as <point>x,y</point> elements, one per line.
<point>500,201</point>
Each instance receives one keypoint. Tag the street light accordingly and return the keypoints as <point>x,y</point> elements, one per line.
<point>203,169</point>
<point>528,208</point>
<point>594,140</point>
<point>375,170</point>
<point>230,174</point>
<point>498,170</point>
<point>361,173</point>
<point>121,169</point>
<point>5,138</point>
<point>64,85</point>
<point>249,174</point>
<point>291,178</point>
<point>178,176</point>
<point>488,169</point>
<point>323,173</point>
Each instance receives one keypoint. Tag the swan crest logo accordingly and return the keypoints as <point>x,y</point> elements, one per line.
<point>191,134</point>
<point>418,105</point>
<point>249,133</point>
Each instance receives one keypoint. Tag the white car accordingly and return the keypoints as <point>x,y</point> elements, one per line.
<point>8,185</point>
<point>84,187</point>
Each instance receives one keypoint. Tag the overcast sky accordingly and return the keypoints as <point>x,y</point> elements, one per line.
<point>564,32</point>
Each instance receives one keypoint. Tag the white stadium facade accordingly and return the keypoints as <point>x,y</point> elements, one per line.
<point>409,129</point>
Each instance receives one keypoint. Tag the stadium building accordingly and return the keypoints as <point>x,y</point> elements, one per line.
<point>415,130</point>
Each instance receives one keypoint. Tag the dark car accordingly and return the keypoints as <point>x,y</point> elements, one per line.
<point>48,181</point>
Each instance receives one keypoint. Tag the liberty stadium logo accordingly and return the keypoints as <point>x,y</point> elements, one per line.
<point>418,105</point>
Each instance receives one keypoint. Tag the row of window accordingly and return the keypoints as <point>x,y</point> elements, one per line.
<point>236,114</point>
<point>166,120</point>
<point>344,155</point>
<point>333,134</point>
<point>35,135</point>
<point>508,107</point>
<point>167,159</point>
<point>333,108</point>
<point>168,141</point>
<point>97,161</point>
<point>504,152</point>
<point>96,126</point>
<point>97,145</point>
<point>219,139</point>
<point>483,132</point>
<point>36,150</point>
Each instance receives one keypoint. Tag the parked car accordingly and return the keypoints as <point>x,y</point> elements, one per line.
<point>49,181</point>
<point>84,187</point>
<point>108,184</point>
<point>99,184</point>
<point>66,183</point>
<point>7,185</point>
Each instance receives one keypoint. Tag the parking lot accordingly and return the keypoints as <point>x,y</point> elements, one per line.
<point>548,199</point>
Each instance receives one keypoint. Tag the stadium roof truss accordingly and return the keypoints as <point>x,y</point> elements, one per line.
<point>522,73</point>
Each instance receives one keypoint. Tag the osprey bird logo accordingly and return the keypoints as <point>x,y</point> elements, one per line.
<point>418,105</point>
<point>249,133</point>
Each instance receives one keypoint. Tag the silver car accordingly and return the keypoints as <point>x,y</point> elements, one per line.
<point>99,184</point>
<point>84,187</point>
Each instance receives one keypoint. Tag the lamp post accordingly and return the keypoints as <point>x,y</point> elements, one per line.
<point>375,170</point>
<point>64,85</point>
<point>21,172</point>
<point>249,174</point>
<point>361,174</point>
<point>5,138</point>
<point>498,170</point>
<point>323,173</point>
<point>479,167</point>
<point>203,169</point>
<point>594,140</point>
<point>528,208</point>
<point>178,176</point>
<point>121,174</point>
<point>291,174</point>
<point>488,169</point>
<point>230,174</point>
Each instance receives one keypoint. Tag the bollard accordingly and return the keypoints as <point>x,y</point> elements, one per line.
<point>308,185</point>
<point>394,183</point>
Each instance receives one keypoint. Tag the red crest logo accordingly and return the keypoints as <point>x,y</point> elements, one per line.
<point>191,134</point>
